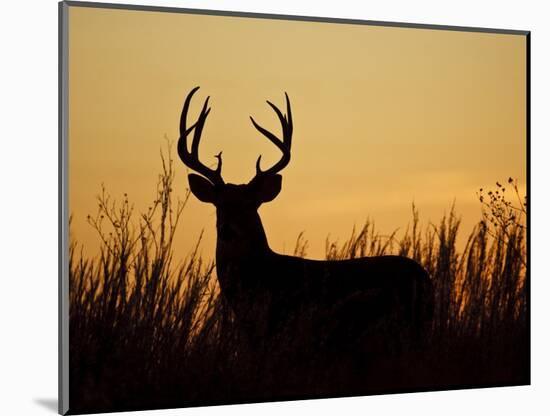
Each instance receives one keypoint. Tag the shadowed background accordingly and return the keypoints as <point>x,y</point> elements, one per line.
<point>383,117</point>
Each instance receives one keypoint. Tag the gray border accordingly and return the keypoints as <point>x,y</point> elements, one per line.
<point>63,238</point>
<point>132,7</point>
<point>63,120</point>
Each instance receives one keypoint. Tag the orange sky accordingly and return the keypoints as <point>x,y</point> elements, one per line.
<point>383,117</point>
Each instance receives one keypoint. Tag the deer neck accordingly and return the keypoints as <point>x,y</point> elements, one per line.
<point>251,239</point>
<point>234,256</point>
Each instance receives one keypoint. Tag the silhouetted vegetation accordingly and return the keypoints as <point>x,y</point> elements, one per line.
<point>151,331</point>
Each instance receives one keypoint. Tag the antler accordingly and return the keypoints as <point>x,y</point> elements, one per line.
<point>191,159</point>
<point>284,145</point>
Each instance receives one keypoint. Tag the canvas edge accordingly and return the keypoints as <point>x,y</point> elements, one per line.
<point>528,195</point>
<point>63,209</point>
<point>274,16</point>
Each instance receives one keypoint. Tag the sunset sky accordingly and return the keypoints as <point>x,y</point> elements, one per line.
<point>383,116</point>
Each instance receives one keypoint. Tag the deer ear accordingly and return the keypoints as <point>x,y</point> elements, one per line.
<point>201,188</point>
<point>269,187</point>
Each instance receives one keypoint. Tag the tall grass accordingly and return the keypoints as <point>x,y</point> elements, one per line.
<point>147,331</point>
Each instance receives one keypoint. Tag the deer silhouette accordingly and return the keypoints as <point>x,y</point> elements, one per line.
<point>265,289</point>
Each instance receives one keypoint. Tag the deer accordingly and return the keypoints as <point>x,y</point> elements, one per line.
<point>266,290</point>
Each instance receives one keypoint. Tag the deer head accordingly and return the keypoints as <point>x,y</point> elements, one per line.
<point>236,205</point>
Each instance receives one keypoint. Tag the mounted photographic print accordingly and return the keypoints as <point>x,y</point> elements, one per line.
<point>259,208</point>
